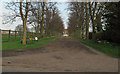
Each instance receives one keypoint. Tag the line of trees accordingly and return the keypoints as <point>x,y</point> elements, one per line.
<point>42,16</point>
<point>88,15</point>
<point>101,18</point>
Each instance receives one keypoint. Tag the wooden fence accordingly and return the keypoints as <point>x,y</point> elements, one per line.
<point>9,35</point>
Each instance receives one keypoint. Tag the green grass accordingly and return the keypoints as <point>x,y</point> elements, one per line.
<point>12,37</point>
<point>17,44</point>
<point>111,49</point>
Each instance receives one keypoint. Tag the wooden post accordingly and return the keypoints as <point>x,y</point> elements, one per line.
<point>20,35</point>
<point>1,32</point>
<point>0,35</point>
<point>15,35</point>
<point>9,35</point>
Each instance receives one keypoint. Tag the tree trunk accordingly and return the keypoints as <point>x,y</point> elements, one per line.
<point>41,30</point>
<point>24,32</point>
<point>24,19</point>
<point>82,19</point>
<point>9,35</point>
<point>38,22</point>
<point>15,35</point>
<point>87,21</point>
<point>98,22</point>
<point>92,14</point>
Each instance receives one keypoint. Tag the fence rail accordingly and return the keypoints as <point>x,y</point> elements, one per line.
<point>10,35</point>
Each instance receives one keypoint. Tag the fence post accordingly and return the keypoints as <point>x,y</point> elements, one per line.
<point>0,35</point>
<point>15,35</point>
<point>1,32</point>
<point>9,35</point>
<point>20,34</point>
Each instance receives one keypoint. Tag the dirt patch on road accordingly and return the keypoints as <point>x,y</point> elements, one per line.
<point>9,53</point>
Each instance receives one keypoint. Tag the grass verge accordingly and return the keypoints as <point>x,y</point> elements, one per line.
<point>17,44</point>
<point>111,49</point>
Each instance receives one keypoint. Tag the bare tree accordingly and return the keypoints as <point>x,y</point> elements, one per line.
<point>18,9</point>
<point>24,19</point>
<point>41,16</point>
<point>86,14</point>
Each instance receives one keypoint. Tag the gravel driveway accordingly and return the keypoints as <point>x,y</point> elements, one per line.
<point>60,55</point>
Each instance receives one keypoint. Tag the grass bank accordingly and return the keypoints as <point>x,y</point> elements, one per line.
<point>17,44</point>
<point>111,49</point>
<point>12,37</point>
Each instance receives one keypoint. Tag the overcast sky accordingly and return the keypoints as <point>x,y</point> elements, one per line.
<point>64,13</point>
<point>62,6</point>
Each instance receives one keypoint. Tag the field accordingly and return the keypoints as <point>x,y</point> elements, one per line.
<point>12,44</point>
<point>109,48</point>
<point>12,37</point>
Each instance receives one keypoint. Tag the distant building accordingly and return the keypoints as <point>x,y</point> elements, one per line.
<point>65,32</point>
